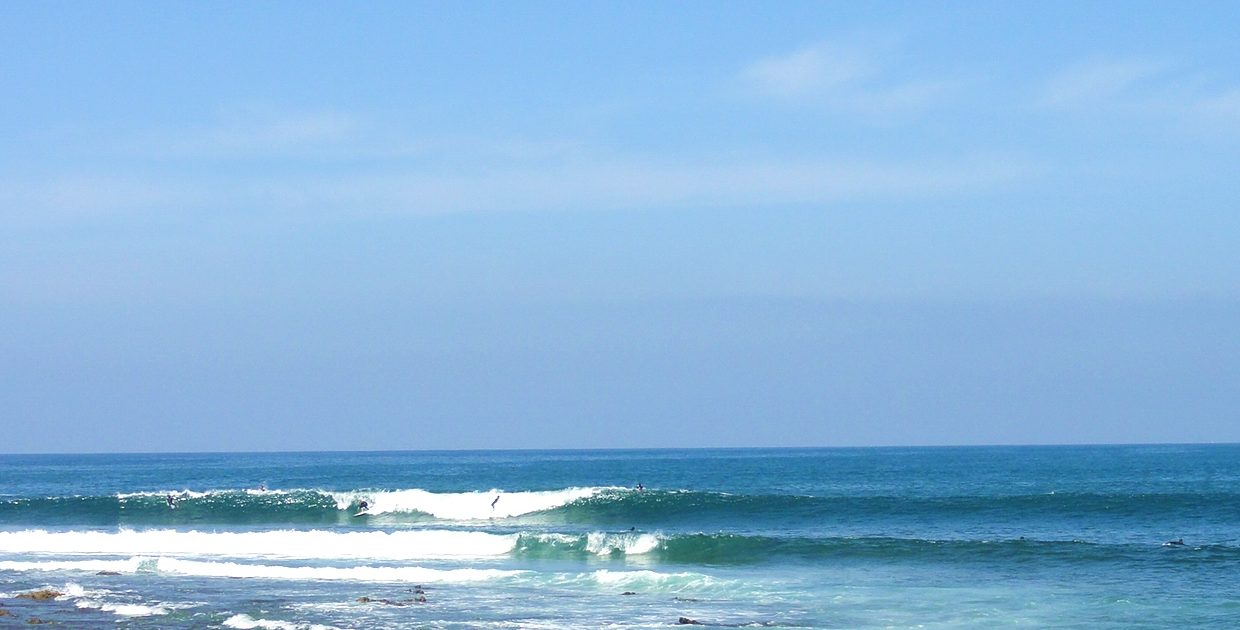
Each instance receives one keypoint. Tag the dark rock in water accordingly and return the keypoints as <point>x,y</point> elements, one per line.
<point>108,573</point>
<point>5,613</point>
<point>685,621</point>
<point>628,593</point>
<point>41,594</point>
<point>421,599</point>
<point>34,621</point>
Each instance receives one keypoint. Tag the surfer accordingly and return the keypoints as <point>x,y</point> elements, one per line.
<point>172,502</point>
<point>1174,543</point>
<point>362,506</point>
<point>640,487</point>
<point>494,502</point>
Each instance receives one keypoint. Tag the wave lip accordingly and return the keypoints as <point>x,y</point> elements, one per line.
<point>465,506</point>
<point>601,544</point>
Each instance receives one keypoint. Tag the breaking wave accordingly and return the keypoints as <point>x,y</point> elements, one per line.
<point>298,507</point>
<point>119,551</point>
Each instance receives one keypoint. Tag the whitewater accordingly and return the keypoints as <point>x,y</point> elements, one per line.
<point>796,538</point>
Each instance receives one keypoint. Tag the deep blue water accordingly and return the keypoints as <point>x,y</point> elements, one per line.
<point>831,538</point>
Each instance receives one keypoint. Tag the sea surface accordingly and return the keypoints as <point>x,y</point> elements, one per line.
<point>976,537</point>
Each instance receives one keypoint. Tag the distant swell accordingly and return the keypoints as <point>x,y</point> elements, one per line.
<point>707,509</point>
<point>735,549</point>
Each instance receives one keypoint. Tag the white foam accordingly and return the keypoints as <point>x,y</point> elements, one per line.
<point>83,598</point>
<point>134,610</point>
<point>73,589</point>
<point>464,506</point>
<point>605,544</point>
<point>119,566</point>
<point>177,494</point>
<point>198,568</point>
<point>246,622</point>
<point>319,544</point>
<point>672,582</point>
<point>173,566</point>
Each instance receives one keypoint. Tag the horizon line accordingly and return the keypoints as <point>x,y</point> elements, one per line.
<point>635,449</point>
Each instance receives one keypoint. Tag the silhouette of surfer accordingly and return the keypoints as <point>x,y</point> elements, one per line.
<point>362,506</point>
<point>640,487</point>
<point>494,502</point>
<point>172,502</point>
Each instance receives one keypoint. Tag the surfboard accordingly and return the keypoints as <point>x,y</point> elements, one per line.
<point>360,513</point>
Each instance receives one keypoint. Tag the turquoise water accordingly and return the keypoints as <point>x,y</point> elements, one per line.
<point>805,538</point>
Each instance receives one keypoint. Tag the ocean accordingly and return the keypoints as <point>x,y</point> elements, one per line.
<point>950,537</point>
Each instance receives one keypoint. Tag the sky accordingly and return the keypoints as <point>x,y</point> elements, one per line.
<point>395,225</point>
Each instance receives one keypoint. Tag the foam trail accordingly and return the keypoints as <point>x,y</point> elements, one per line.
<point>465,506</point>
<point>401,545</point>
<point>94,566</point>
<point>674,582</point>
<point>125,610</point>
<point>646,580</point>
<point>348,574</point>
<point>184,493</point>
<point>93,599</point>
<point>246,622</point>
<point>198,568</point>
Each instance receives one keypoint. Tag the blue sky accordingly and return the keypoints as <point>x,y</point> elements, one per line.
<point>289,226</point>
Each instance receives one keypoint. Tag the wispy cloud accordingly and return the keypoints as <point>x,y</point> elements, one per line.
<point>1220,109</point>
<point>76,197</point>
<point>847,77</point>
<point>166,173</point>
<point>1097,80</point>
<point>519,185</point>
<point>1171,96</point>
<point>252,132</point>
<point>808,71</point>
